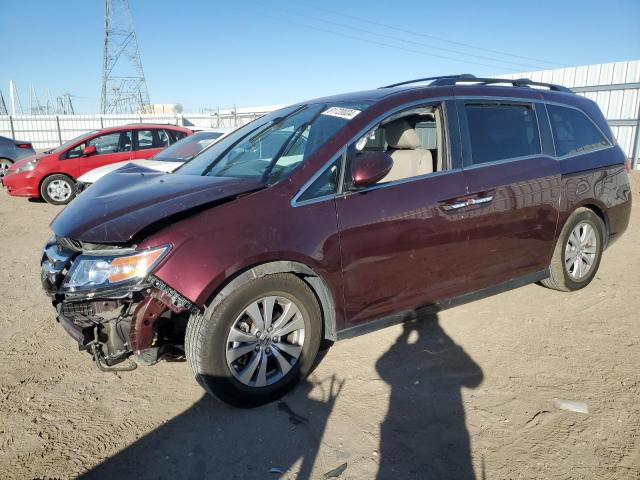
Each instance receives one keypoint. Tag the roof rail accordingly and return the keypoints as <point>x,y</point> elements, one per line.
<point>468,78</point>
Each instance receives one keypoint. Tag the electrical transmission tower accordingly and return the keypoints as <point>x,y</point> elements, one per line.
<point>124,88</point>
<point>3,106</point>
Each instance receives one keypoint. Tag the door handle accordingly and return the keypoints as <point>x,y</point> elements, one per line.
<point>481,200</point>
<point>469,202</point>
<point>454,206</point>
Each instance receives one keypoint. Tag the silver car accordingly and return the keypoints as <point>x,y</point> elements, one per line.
<point>11,151</point>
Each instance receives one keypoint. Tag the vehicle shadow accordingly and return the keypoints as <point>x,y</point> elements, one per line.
<point>214,440</point>
<point>423,435</point>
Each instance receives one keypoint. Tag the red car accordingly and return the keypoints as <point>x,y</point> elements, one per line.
<point>51,175</point>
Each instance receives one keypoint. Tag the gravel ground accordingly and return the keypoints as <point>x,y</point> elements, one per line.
<point>475,391</point>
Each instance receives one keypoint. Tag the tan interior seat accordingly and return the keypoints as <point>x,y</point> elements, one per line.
<point>409,160</point>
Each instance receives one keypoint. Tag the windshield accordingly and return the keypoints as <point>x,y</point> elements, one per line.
<point>269,148</point>
<point>188,147</point>
<point>68,143</point>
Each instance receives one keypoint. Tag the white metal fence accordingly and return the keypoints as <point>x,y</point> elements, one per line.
<point>615,87</point>
<point>48,131</point>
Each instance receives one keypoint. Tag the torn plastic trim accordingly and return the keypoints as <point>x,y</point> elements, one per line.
<point>173,298</point>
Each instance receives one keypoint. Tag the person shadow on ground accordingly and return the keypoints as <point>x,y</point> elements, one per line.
<point>424,435</point>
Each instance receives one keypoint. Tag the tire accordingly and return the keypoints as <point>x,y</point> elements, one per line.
<point>209,345</point>
<point>5,163</point>
<point>58,189</point>
<point>565,277</point>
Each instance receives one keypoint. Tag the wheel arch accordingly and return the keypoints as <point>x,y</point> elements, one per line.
<point>317,284</point>
<point>601,212</point>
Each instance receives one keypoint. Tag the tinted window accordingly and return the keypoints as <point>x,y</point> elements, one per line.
<point>498,132</point>
<point>270,152</point>
<point>177,135</point>
<point>112,142</point>
<point>152,139</point>
<point>68,143</point>
<point>188,147</point>
<point>573,132</point>
<point>325,184</point>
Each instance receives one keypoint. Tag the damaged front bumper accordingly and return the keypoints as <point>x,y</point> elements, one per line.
<point>146,319</point>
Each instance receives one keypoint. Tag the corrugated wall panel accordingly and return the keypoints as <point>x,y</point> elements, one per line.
<point>620,72</point>
<point>633,72</point>
<point>630,104</point>
<point>606,74</point>
<point>619,105</point>
<point>593,75</point>
<point>615,105</point>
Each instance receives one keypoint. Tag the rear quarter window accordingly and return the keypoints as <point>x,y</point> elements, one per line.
<point>573,131</point>
<point>176,135</point>
<point>502,131</point>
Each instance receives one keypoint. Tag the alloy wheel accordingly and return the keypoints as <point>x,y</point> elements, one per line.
<point>580,251</point>
<point>265,341</point>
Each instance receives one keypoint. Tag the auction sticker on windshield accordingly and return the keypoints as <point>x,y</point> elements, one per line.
<point>346,113</point>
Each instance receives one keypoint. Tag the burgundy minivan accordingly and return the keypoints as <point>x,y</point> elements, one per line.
<point>332,217</point>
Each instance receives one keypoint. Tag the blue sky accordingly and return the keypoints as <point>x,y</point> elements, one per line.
<point>262,52</point>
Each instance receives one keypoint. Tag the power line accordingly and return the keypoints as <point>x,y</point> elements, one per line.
<point>375,42</point>
<point>400,39</point>
<point>434,37</point>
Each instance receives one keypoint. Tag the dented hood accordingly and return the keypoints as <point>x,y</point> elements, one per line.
<point>124,202</point>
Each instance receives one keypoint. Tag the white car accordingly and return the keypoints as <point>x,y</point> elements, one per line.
<point>165,161</point>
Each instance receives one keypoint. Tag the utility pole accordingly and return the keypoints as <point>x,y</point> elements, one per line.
<point>15,106</point>
<point>124,87</point>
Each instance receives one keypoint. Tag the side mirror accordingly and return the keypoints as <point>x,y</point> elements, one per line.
<point>90,150</point>
<point>368,168</point>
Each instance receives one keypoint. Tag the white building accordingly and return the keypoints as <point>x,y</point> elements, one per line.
<point>615,87</point>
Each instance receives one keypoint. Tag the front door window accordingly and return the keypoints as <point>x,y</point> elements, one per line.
<point>115,142</point>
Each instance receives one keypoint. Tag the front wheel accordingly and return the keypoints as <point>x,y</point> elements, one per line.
<point>578,252</point>
<point>58,189</point>
<point>5,163</point>
<point>254,345</point>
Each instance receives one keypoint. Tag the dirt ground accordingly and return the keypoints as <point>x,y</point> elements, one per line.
<point>473,392</point>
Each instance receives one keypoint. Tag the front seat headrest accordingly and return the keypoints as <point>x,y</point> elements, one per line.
<point>400,135</point>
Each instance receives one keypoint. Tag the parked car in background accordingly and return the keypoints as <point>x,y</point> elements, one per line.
<point>166,161</point>
<point>334,217</point>
<point>51,175</point>
<point>11,151</point>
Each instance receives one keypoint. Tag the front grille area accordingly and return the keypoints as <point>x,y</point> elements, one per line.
<point>72,309</point>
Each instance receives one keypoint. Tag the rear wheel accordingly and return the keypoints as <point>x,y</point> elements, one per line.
<point>57,189</point>
<point>251,347</point>
<point>578,252</point>
<point>5,163</point>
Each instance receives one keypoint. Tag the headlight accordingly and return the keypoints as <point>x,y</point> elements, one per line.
<point>27,167</point>
<point>102,271</point>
